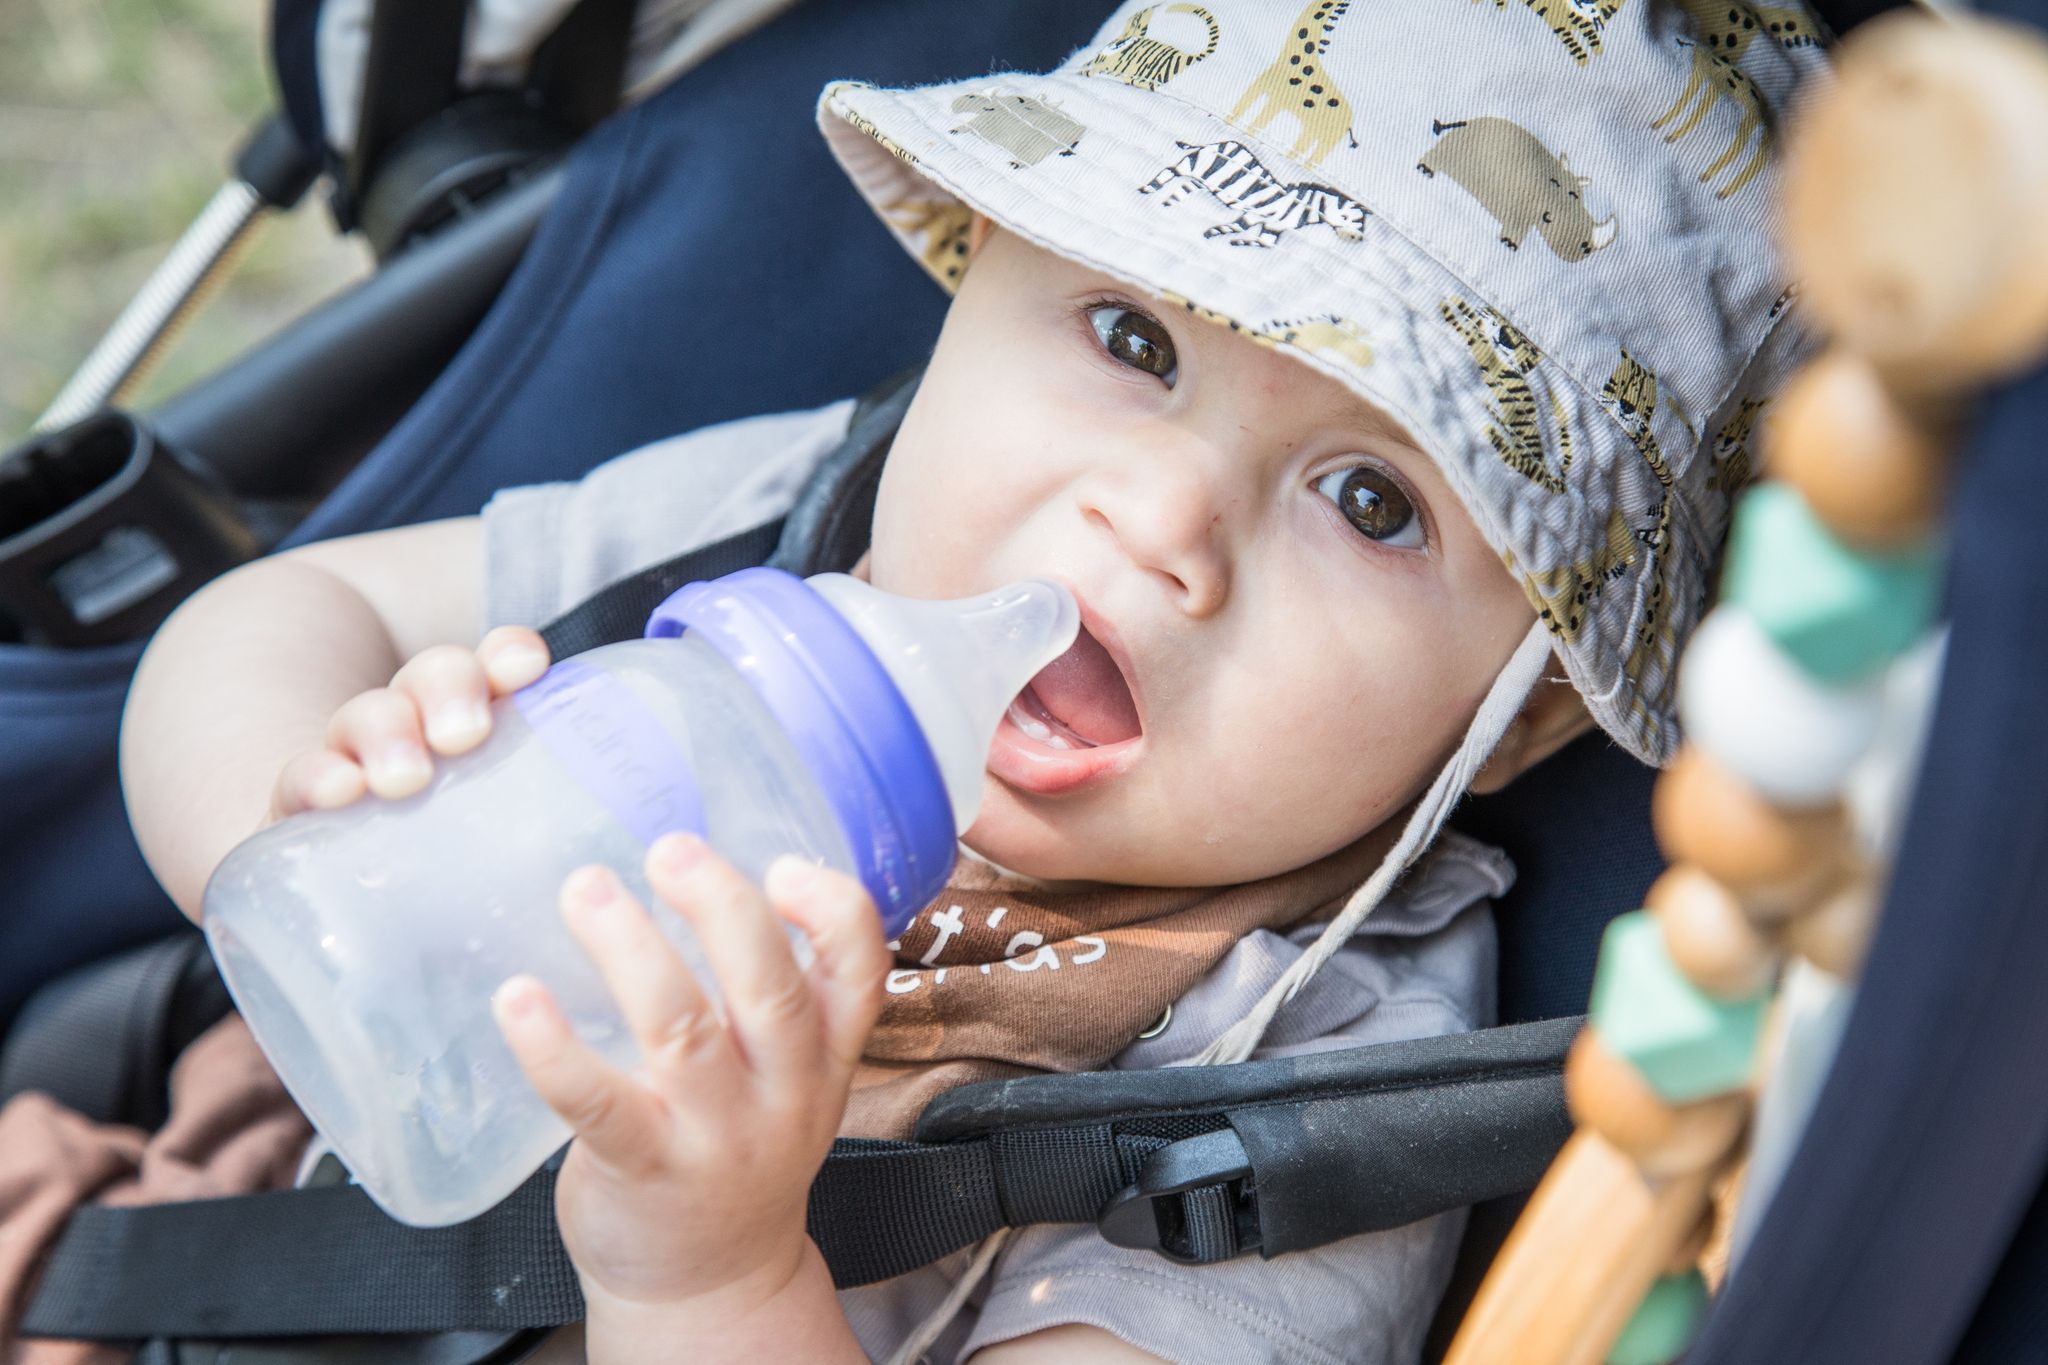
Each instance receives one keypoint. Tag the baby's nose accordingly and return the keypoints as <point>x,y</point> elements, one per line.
<point>1167,517</point>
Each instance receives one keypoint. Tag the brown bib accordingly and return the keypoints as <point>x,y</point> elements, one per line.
<point>1001,976</point>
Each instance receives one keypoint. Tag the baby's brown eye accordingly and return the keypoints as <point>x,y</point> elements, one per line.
<point>1375,503</point>
<point>1136,340</point>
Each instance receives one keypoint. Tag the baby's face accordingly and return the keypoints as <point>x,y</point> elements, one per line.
<point>1288,619</point>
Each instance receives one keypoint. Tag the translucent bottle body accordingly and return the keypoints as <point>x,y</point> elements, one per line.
<point>363,945</point>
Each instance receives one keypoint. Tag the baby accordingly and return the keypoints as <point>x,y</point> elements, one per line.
<point>1275,335</point>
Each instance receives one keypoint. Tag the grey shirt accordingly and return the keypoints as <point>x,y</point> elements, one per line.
<point>1424,965</point>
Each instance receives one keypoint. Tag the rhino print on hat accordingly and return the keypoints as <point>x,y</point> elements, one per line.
<point>1505,168</point>
<point>1536,233</point>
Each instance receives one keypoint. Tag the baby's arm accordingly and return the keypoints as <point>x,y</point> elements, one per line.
<point>248,680</point>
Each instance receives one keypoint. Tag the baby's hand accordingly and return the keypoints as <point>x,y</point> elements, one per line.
<point>381,740</point>
<point>686,1187</point>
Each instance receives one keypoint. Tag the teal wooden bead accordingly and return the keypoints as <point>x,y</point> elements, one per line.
<point>1839,611</point>
<point>1664,1322</point>
<point>1687,1044</point>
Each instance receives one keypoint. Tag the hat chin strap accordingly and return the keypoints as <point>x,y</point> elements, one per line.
<point>1503,703</point>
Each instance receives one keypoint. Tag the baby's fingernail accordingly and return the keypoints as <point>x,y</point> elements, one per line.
<point>458,724</point>
<point>517,998</point>
<point>592,886</point>
<point>402,770</point>
<point>789,875</point>
<point>520,662</point>
<point>338,785</point>
<point>678,852</point>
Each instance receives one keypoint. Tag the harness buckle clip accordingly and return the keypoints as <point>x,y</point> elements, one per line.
<point>1190,1204</point>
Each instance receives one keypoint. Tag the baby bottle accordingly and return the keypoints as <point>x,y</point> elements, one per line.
<point>764,713</point>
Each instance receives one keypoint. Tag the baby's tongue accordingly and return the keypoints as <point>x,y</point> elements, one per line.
<point>1085,691</point>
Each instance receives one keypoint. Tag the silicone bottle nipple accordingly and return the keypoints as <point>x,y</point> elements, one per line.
<point>959,664</point>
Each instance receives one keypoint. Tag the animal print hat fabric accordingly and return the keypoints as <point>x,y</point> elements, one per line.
<point>1536,232</point>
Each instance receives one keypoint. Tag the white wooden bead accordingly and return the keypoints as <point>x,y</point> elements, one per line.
<point>1754,711</point>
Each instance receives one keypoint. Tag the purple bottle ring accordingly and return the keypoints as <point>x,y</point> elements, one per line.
<point>846,719</point>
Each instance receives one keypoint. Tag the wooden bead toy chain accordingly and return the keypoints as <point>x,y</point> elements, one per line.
<point>1915,203</point>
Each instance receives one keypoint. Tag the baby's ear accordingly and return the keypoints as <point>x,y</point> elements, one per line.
<point>1552,717</point>
<point>978,232</point>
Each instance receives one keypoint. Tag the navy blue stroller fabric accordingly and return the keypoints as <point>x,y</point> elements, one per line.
<point>1930,1138</point>
<point>706,260</point>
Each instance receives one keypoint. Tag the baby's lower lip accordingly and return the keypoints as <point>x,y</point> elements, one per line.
<point>1043,768</point>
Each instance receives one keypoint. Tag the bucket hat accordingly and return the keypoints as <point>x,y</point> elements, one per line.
<point>1536,232</point>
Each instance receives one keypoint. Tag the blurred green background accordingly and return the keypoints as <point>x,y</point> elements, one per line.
<point>117,120</point>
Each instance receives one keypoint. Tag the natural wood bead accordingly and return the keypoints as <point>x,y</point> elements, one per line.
<point>1915,199</point>
<point>1774,861</point>
<point>1725,1191</point>
<point>1709,936</point>
<point>1575,1268</point>
<point>1835,934</point>
<point>1687,1253</point>
<point>1610,1097</point>
<point>1872,469</point>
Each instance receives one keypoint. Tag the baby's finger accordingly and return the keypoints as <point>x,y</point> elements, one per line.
<point>453,695</point>
<point>618,1119</point>
<point>381,731</point>
<point>837,915</point>
<point>512,656</point>
<point>680,1035</point>
<point>770,1008</point>
<point>320,780</point>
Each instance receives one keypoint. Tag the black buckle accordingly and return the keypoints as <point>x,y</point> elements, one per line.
<point>103,531</point>
<point>1152,1216</point>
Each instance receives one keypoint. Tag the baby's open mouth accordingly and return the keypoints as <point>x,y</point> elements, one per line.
<point>1080,700</point>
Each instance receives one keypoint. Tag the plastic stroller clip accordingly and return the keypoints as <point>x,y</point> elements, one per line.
<point>103,531</point>
<point>1188,1204</point>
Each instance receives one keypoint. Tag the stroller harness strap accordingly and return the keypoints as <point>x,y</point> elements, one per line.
<point>1200,1164</point>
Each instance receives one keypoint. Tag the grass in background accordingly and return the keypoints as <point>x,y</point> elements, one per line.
<point>117,122</point>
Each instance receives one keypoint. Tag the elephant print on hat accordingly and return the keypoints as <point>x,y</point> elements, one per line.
<point>1520,182</point>
<point>1136,58</point>
<point>1028,129</point>
<point>1229,171</point>
<point>1298,82</point>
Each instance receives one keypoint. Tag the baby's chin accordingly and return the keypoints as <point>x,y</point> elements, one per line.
<point>1086,842</point>
<point>1051,841</point>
